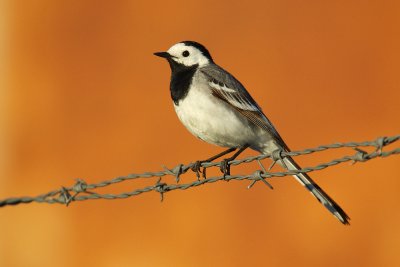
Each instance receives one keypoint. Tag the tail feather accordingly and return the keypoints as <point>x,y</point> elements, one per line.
<point>316,191</point>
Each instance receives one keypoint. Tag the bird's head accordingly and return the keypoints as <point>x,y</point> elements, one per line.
<point>187,53</point>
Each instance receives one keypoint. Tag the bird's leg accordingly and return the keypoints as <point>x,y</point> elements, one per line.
<point>197,165</point>
<point>225,167</point>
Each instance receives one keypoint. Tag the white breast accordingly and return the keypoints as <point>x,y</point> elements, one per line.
<point>213,120</point>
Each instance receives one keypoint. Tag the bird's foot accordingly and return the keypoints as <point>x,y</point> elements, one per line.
<point>225,167</point>
<point>197,169</point>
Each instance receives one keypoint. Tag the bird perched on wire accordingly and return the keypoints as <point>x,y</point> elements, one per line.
<point>215,107</point>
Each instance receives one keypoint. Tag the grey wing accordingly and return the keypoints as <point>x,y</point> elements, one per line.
<point>226,87</point>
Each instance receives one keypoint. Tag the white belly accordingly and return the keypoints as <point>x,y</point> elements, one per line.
<point>213,121</point>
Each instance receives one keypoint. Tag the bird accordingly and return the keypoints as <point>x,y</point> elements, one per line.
<point>216,108</point>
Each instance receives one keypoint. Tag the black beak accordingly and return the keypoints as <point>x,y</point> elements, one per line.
<point>162,54</point>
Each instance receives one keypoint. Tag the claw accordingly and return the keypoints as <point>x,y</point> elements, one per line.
<point>197,169</point>
<point>225,167</point>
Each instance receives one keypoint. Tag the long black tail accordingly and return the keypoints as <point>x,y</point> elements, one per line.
<point>316,191</point>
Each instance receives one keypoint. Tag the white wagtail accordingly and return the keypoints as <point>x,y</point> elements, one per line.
<point>215,107</point>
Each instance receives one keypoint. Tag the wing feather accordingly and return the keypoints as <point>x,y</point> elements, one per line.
<point>224,86</point>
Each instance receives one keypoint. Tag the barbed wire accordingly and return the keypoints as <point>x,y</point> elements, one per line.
<point>81,190</point>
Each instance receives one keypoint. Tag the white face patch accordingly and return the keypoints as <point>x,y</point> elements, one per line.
<point>187,55</point>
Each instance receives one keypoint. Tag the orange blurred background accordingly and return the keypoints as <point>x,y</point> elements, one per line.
<point>83,96</point>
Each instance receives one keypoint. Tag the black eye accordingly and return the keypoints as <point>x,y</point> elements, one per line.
<point>185,53</point>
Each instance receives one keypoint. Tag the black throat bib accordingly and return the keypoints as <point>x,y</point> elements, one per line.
<point>181,79</point>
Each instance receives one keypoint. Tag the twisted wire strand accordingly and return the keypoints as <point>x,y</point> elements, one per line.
<point>80,191</point>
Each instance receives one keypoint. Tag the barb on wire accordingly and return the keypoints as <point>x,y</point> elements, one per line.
<point>80,190</point>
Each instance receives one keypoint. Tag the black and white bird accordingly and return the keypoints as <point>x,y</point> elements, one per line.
<point>215,107</point>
